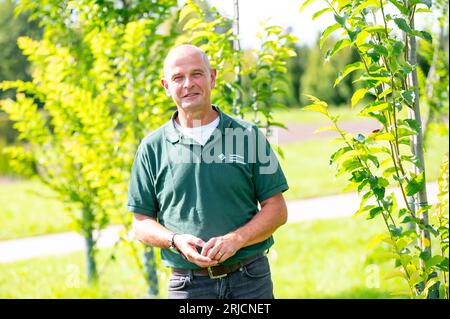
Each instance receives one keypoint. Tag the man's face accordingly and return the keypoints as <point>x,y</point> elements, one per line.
<point>188,80</point>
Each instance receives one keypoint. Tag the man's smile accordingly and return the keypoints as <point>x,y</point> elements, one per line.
<point>190,95</point>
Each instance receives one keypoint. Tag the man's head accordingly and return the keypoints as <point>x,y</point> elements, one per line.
<point>188,77</point>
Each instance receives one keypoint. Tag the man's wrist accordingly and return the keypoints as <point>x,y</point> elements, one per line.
<point>173,247</point>
<point>239,239</point>
<point>171,242</point>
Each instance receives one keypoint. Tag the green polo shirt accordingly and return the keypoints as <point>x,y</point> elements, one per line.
<point>208,190</point>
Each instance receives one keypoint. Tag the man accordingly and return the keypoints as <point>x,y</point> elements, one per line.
<point>195,187</point>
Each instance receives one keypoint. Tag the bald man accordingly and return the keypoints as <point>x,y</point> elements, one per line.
<point>195,187</point>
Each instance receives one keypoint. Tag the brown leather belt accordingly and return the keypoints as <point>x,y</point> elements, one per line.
<point>217,271</point>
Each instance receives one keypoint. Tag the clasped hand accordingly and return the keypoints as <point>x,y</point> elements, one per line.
<point>206,254</point>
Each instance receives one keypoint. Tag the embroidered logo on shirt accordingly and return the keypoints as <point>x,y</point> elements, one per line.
<point>236,158</point>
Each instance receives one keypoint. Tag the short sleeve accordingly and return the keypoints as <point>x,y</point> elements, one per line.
<point>268,175</point>
<point>141,190</point>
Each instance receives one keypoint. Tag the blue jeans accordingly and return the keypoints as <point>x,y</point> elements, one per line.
<point>251,281</point>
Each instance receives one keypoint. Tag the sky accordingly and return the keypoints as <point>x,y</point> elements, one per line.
<point>284,13</point>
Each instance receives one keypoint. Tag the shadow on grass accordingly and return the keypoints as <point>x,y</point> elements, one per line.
<point>365,293</point>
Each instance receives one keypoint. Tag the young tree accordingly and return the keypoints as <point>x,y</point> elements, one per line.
<point>392,155</point>
<point>264,69</point>
<point>100,94</point>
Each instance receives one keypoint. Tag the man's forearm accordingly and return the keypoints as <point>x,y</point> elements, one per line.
<point>263,224</point>
<point>150,232</point>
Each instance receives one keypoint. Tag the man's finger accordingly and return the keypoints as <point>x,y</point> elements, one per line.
<point>207,246</point>
<point>215,253</point>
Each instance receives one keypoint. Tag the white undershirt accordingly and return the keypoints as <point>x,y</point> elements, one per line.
<point>200,134</point>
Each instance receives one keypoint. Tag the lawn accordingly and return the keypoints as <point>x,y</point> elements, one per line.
<point>307,169</point>
<point>27,208</point>
<point>314,259</point>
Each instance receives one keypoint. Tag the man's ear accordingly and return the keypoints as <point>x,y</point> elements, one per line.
<point>213,78</point>
<point>165,85</point>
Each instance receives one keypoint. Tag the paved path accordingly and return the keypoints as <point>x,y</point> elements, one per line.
<point>304,132</point>
<point>299,210</point>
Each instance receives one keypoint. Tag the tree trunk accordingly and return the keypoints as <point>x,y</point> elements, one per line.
<point>237,48</point>
<point>91,265</point>
<point>150,269</point>
<point>420,199</point>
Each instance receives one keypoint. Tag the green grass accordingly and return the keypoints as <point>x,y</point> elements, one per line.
<point>313,259</point>
<point>307,169</point>
<point>27,209</point>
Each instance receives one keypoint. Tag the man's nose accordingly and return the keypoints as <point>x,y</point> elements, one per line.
<point>188,83</point>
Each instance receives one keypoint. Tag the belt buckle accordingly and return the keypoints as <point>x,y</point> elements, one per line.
<point>211,275</point>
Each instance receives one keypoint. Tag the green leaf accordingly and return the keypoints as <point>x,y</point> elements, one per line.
<point>425,35</point>
<point>403,9</point>
<point>317,108</point>
<point>376,240</point>
<point>339,152</point>
<point>341,44</point>
<point>277,124</point>
<point>340,19</point>
<point>304,5</point>
<point>403,25</point>
<point>397,48</point>
<point>349,155</point>
<point>395,231</point>
<point>326,33</point>
<point>411,158</point>
<point>363,209</point>
<point>347,70</point>
<point>351,165</point>
<point>380,50</point>
<point>358,95</point>
<point>379,192</point>
<point>413,124</point>
<point>374,212</point>
<point>384,93</point>
<point>315,99</point>
<point>425,10</point>
<point>433,261</point>
<point>186,10</point>
<point>415,185</point>
<point>382,137</point>
<point>376,29</point>
<point>402,132</point>
<point>428,3</point>
<point>396,273</point>
<point>361,38</point>
<point>363,5</point>
<point>409,219</point>
<point>319,13</point>
<point>378,107</point>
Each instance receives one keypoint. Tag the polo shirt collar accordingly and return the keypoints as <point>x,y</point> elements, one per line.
<point>174,136</point>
